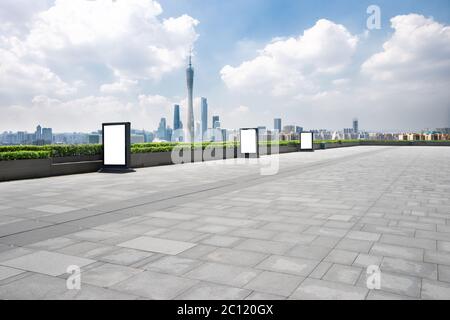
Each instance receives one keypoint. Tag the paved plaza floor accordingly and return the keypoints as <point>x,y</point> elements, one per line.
<point>228,230</point>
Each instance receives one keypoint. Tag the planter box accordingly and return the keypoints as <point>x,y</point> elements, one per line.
<point>288,149</point>
<point>24,169</point>
<point>150,159</point>
<point>340,145</point>
<point>77,158</point>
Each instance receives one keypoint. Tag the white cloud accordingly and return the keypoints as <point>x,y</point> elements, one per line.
<point>288,66</point>
<point>108,45</point>
<point>119,87</point>
<point>418,51</point>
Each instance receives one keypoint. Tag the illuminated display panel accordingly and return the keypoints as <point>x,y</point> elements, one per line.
<point>306,141</point>
<point>249,141</point>
<point>114,144</point>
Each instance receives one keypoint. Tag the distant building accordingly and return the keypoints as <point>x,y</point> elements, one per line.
<point>137,138</point>
<point>176,117</point>
<point>190,111</point>
<point>38,133</point>
<point>47,135</point>
<point>216,122</point>
<point>298,129</point>
<point>161,132</point>
<point>277,124</point>
<point>204,113</point>
<point>355,125</point>
<point>94,138</point>
<point>289,129</point>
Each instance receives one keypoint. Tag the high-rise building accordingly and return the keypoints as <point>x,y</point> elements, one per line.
<point>161,133</point>
<point>47,135</point>
<point>216,122</point>
<point>204,108</point>
<point>38,133</point>
<point>355,125</point>
<point>190,112</point>
<point>298,129</point>
<point>289,129</point>
<point>176,117</point>
<point>277,124</point>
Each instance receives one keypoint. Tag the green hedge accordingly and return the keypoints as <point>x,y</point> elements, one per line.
<point>19,155</point>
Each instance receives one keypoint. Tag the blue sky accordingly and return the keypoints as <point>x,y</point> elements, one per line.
<point>312,63</point>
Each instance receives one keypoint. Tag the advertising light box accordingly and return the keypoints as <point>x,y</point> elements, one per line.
<point>116,144</point>
<point>249,141</point>
<point>306,141</point>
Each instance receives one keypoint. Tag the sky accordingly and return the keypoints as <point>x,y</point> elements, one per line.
<point>73,64</point>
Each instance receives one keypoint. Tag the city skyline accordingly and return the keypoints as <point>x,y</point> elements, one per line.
<point>316,71</point>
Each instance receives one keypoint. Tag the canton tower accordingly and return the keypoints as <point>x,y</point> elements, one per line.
<point>190,113</point>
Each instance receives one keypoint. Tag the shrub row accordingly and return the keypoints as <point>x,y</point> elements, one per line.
<point>18,155</point>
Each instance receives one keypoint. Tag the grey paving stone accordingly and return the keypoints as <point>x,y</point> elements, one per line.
<point>264,246</point>
<point>263,296</point>
<point>14,252</point>
<point>211,291</point>
<point>234,256</point>
<point>154,285</point>
<point>396,283</point>
<point>197,251</point>
<point>52,208</point>
<point>49,263</point>
<point>157,245</point>
<point>382,295</point>
<point>275,283</point>
<point>323,231</point>
<point>363,235</point>
<point>324,241</point>
<point>341,256</point>
<point>435,290</point>
<point>223,274</point>
<point>125,256</point>
<point>309,252</point>
<point>439,257</point>
<point>7,272</point>
<point>172,264</point>
<point>292,265</point>
<point>313,289</point>
<point>444,273</point>
<point>365,260</point>
<point>43,287</point>
<point>355,245</point>
<point>253,233</point>
<point>409,242</point>
<point>397,252</point>
<point>86,249</point>
<point>292,237</point>
<point>341,273</point>
<point>445,236</point>
<point>320,270</point>
<point>221,241</point>
<point>108,274</point>
<point>52,244</point>
<point>418,269</point>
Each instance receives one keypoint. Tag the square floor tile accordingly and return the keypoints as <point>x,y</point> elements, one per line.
<point>50,263</point>
<point>166,246</point>
<point>275,283</point>
<point>108,274</point>
<point>154,285</point>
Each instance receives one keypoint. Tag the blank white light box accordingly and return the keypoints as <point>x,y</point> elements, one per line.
<point>249,141</point>
<point>116,145</point>
<point>306,141</point>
